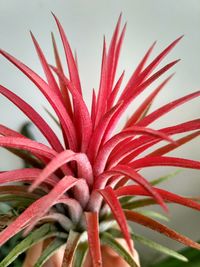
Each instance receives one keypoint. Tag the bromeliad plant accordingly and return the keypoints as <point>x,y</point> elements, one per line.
<point>81,184</point>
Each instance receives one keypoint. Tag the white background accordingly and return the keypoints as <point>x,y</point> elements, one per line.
<point>85,22</point>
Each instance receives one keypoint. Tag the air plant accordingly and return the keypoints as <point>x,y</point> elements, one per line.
<point>90,181</point>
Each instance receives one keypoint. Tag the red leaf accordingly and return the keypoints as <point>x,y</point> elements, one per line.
<point>84,167</point>
<point>137,115</point>
<point>29,145</point>
<point>136,177</point>
<point>93,107</point>
<point>134,92</point>
<point>136,73</point>
<point>111,199</point>
<point>97,135</point>
<point>81,112</point>
<point>34,117</point>
<point>74,207</point>
<point>112,60</point>
<point>115,91</point>
<point>37,209</point>
<point>117,53</point>
<point>156,226</point>
<point>101,106</point>
<point>63,88</point>
<point>159,58</point>
<point>25,175</point>
<point>101,159</point>
<point>50,78</point>
<point>166,108</point>
<point>93,237</point>
<point>51,96</point>
<point>73,71</point>
<point>136,190</point>
<point>133,148</point>
<point>165,161</point>
<point>168,148</point>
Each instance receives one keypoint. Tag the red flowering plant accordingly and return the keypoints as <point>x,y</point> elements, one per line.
<point>90,181</point>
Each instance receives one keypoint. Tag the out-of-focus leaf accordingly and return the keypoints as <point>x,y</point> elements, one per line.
<point>153,214</point>
<point>70,249</point>
<point>49,251</point>
<point>80,254</point>
<point>108,240</point>
<point>164,178</point>
<point>45,231</point>
<point>192,255</point>
<point>147,242</point>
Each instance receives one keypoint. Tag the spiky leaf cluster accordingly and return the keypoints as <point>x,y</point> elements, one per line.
<point>90,180</point>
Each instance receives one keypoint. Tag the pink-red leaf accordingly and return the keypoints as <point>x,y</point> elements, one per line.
<point>135,190</point>
<point>166,108</point>
<point>29,145</point>
<point>25,175</point>
<point>51,96</point>
<point>168,148</point>
<point>136,177</point>
<point>92,222</point>
<point>105,151</point>
<point>81,112</point>
<point>156,226</point>
<point>111,199</point>
<point>165,161</point>
<point>73,71</point>
<point>137,115</point>
<point>35,117</point>
<point>84,167</point>
<point>63,88</point>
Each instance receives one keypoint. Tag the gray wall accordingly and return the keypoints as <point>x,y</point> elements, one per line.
<point>85,23</point>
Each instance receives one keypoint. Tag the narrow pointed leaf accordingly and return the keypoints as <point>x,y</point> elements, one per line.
<point>156,226</point>
<point>73,71</point>
<point>34,117</point>
<point>44,232</point>
<point>80,254</point>
<point>72,243</point>
<point>108,240</point>
<point>51,96</point>
<point>63,88</point>
<point>165,161</point>
<point>85,169</point>
<point>151,244</point>
<point>111,199</point>
<point>166,195</point>
<point>92,222</point>
<point>52,248</point>
<point>166,108</point>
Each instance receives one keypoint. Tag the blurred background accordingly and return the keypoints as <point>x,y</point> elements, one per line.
<point>85,23</point>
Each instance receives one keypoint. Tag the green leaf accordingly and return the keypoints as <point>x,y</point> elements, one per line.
<point>147,242</point>
<point>153,214</point>
<point>107,239</point>
<point>126,199</point>
<point>27,200</point>
<point>139,203</point>
<point>164,178</point>
<point>52,116</point>
<point>25,130</point>
<point>80,254</point>
<point>72,243</point>
<point>49,251</point>
<point>192,255</point>
<point>45,231</point>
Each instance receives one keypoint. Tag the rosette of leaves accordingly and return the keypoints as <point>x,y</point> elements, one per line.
<point>79,188</point>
